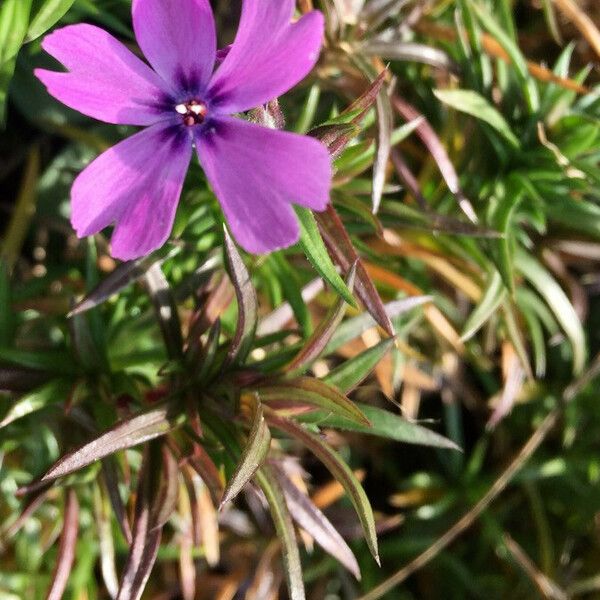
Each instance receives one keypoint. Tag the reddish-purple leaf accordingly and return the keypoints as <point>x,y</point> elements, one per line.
<point>352,328</point>
<point>338,241</point>
<point>253,455</point>
<point>166,489</point>
<point>429,137</point>
<point>66,549</point>
<point>340,471</point>
<point>408,179</point>
<point>203,464</point>
<point>125,274</point>
<point>17,379</point>
<point>146,537</point>
<point>247,302</point>
<point>205,360</point>
<point>315,523</point>
<point>336,136</point>
<point>214,298</point>
<point>366,100</point>
<point>268,115</point>
<point>303,391</point>
<point>135,430</point>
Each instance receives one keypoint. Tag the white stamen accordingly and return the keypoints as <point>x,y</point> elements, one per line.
<point>197,109</point>
<point>181,109</point>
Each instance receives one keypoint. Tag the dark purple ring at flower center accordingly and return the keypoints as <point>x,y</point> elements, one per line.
<point>192,113</point>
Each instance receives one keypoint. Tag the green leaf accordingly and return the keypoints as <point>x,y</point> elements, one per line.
<point>314,248</point>
<point>56,361</point>
<point>14,20</point>
<point>519,62</point>
<point>383,424</point>
<point>352,372</point>
<point>291,285</point>
<point>89,356</point>
<point>309,109</point>
<point>472,103</point>
<point>559,303</point>
<point>577,215</point>
<point>314,392</point>
<point>536,335</point>
<point>501,212</point>
<point>285,532</point>
<point>352,328</point>
<point>253,456</point>
<point>50,12</point>
<point>52,392</point>
<point>493,296</point>
<point>341,472</point>
<point>357,158</point>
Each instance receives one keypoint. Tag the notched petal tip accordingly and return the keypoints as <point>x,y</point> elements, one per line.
<point>261,67</point>
<point>136,186</point>
<point>42,75</point>
<point>102,79</point>
<point>178,38</point>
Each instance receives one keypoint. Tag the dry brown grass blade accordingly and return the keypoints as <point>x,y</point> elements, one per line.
<point>583,22</point>
<point>544,584</point>
<point>494,49</point>
<point>456,275</point>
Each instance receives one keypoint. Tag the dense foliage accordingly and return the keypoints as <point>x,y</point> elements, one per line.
<point>415,378</point>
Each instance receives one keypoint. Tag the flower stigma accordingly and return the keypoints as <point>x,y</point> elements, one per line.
<point>192,113</point>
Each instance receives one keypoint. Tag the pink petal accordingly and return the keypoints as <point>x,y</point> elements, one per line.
<point>105,80</point>
<point>256,174</point>
<point>269,55</point>
<point>136,185</point>
<point>179,40</point>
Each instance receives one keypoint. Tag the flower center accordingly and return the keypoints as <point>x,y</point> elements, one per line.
<point>192,113</point>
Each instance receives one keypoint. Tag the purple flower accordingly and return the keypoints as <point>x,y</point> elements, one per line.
<point>256,173</point>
